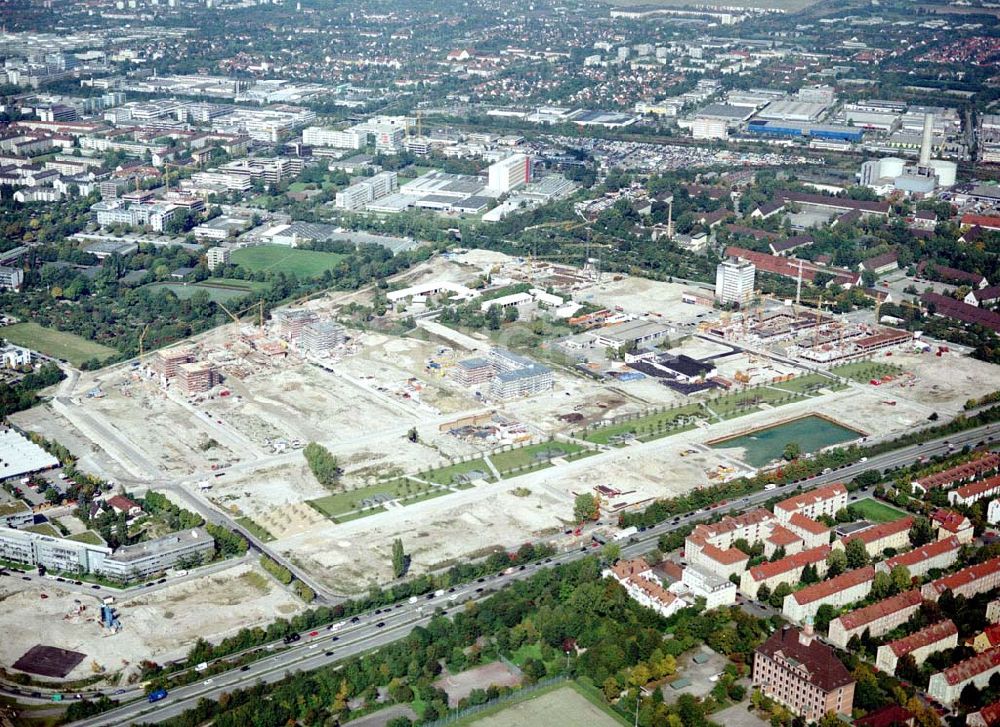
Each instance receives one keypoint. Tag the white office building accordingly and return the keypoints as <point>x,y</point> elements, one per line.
<point>333,138</point>
<point>509,173</point>
<point>734,281</point>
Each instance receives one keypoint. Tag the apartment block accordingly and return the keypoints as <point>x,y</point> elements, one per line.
<point>878,538</point>
<point>15,514</point>
<point>197,377</point>
<point>216,257</point>
<point>967,582</point>
<point>797,670</point>
<point>637,577</point>
<point>786,570</point>
<point>950,523</point>
<point>929,640</point>
<point>168,360</point>
<point>812,533</point>
<point>346,139</point>
<point>142,560</point>
<point>321,337</point>
<point>946,686</point>
<point>940,554</point>
<point>292,321</point>
<point>472,372</point>
<point>821,501</point>
<point>878,618</point>
<point>840,591</point>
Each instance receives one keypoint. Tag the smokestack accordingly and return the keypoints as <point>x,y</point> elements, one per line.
<point>925,145</point>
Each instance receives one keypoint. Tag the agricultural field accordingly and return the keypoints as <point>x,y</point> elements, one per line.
<point>289,260</point>
<point>57,344</point>
<point>875,511</point>
<point>219,290</point>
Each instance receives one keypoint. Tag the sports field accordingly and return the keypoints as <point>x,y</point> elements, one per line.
<point>57,344</point>
<point>876,512</point>
<point>278,258</point>
<point>562,706</point>
<point>216,292</point>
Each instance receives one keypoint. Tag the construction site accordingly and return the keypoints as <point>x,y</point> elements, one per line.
<point>223,417</point>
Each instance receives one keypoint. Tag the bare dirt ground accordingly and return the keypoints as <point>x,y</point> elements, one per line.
<point>458,686</point>
<point>157,626</point>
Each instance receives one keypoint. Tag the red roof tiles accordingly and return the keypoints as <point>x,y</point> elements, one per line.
<point>925,637</point>
<point>764,571</point>
<point>798,502</point>
<point>868,614</point>
<point>925,552</point>
<point>965,670</point>
<point>851,578</point>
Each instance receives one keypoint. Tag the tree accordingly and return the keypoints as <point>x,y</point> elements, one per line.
<point>809,575</point>
<point>763,593</point>
<point>399,559</point>
<point>836,562</point>
<point>901,578</point>
<point>611,551</point>
<point>412,435</point>
<point>824,615</point>
<point>921,532</point>
<point>882,585</point>
<point>322,463</point>
<point>585,507</point>
<point>792,451</point>
<point>857,554</point>
<point>777,598</point>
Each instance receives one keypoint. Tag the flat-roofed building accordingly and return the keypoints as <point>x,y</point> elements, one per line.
<point>715,590</point>
<point>893,535</point>
<point>168,360</point>
<point>825,500</point>
<point>842,590</point>
<point>936,637</point>
<point>217,257</point>
<point>197,377</point>
<point>799,671</point>
<point>142,560</point>
<point>785,570</point>
<point>321,337</point>
<point>472,372</point>
<point>734,281</point>
<point>20,456</point>
<point>15,514</point>
<point>877,619</point>
<point>946,686</point>
<point>978,578</point>
<point>940,554</point>
<point>292,321</point>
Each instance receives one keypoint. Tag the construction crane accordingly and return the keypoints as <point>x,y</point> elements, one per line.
<point>142,337</point>
<point>258,306</point>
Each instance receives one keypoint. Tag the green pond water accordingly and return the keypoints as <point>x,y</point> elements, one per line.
<point>811,433</point>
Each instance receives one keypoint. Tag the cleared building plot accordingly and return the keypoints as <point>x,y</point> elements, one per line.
<point>459,686</point>
<point>49,661</point>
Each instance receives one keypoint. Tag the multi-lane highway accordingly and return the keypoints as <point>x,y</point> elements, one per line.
<point>374,629</point>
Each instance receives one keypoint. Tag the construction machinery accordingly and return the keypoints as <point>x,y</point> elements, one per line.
<point>142,338</point>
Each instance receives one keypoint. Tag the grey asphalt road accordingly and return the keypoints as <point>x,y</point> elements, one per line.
<point>312,652</point>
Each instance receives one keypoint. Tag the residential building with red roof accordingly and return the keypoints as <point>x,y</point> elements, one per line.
<point>921,644</point>
<point>120,503</point>
<point>949,523</point>
<point>988,716</point>
<point>982,463</point>
<point>826,500</point>
<point>786,570</point>
<point>947,685</point>
<point>799,671</point>
<point>710,546</point>
<point>878,618</point>
<point>636,576</point>
<point>891,715</point>
<point>878,538</point>
<point>984,221</point>
<point>940,554</point>
<point>791,267</point>
<point>969,581</point>
<point>842,590</point>
<point>784,539</point>
<point>947,307</point>
<point>989,638</point>
<point>813,533</point>
<point>972,493</point>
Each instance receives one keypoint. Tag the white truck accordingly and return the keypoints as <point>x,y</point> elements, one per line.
<point>626,533</point>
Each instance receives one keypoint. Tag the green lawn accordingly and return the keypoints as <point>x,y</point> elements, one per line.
<point>810,384</point>
<point>278,258</point>
<point>452,474</point>
<point>258,531</point>
<point>44,529</point>
<point>58,344</point>
<point>876,511</point>
<point>341,503</point>
<point>534,454</point>
<point>647,427</point>
<point>738,403</point>
<point>87,536</point>
<point>865,371</point>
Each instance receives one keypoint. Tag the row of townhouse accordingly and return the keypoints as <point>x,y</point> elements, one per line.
<point>825,500</point>
<point>978,578</point>
<point>877,619</point>
<point>946,686</point>
<point>981,464</point>
<point>921,644</point>
<point>940,554</point>
<point>786,570</point>
<point>893,535</point>
<point>969,494</point>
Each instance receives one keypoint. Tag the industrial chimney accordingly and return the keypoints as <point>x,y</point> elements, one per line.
<point>925,144</point>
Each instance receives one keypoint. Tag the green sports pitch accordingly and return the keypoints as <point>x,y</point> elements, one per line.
<point>289,260</point>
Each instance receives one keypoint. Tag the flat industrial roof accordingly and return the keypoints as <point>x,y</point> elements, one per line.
<point>20,456</point>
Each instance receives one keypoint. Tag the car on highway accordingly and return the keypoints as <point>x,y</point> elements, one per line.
<point>96,587</point>
<point>207,682</point>
<point>245,667</point>
<point>355,620</point>
<point>380,624</point>
<point>334,638</point>
<point>327,653</point>
<point>314,633</point>
<point>25,578</point>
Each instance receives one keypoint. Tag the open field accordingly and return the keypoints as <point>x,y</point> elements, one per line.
<point>865,371</point>
<point>278,258</point>
<point>218,290</point>
<point>534,455</point>
<point>57,344</point>
<point>460,473</point>
<point>460,685</point>
<point>564,705</point>
<point>366,498</point>
<point>875,511</point>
